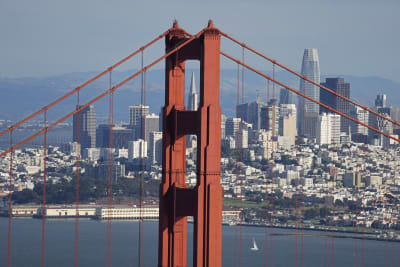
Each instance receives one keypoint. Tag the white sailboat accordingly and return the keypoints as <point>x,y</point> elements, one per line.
<point>254,248</point>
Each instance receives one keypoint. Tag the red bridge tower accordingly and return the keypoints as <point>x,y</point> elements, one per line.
<point>204,201</point>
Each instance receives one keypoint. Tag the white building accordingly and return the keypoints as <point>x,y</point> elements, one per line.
<point>137,149</point>
<point>155,147</point>
<point>136,113</point>
<point>147,213</point>
<point>328,129</point>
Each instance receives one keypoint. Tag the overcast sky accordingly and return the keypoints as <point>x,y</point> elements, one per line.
<point>47,37</point>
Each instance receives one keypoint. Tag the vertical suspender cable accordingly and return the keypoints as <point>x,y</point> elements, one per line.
<point>44,186</point>
<point>303,181</point>
<point>333,215</point>
<point>142,128</point>
<point>358,174</point>
<point>326,193</point>
<point>386,142</point>
<point>10,188</point>
<point>78,159</point>
<point>241,154</point>
<point>365,217</point>
<point>394,202</point>
<point>110,170</point>
<point>302,145</point>
<point>273,126</point>
<point>297,181</point>
<point>237,156</point>
<point>267,226</point>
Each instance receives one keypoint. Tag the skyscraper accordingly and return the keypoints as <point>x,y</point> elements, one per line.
<point>339,86</point>
<point>380,101</point>
<point>285,96</point>
<point>328,129</point>
<point>136,113</point>
<point>192,98</point>
<point>87,127</point>
<point>270,117</point>
<point>310,69</point>
<point>155,147</point>
<point>251,113</point>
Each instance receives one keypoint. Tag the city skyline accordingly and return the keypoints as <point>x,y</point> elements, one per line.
<point>378,19</point>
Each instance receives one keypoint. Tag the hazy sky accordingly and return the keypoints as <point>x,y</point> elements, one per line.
<point>47,37</point>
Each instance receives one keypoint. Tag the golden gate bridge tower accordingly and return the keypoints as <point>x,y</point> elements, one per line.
<point>204,201</point>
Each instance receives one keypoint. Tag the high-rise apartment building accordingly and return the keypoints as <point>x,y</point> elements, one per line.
<point>363,116</point>
<point>328,129</point>
<point>192,97</point>
<point>137,149</point>
<point>339,86</point>
<point>286,96</point>
<point>380,101</point>
<point>310,69</point>
<point>270,117</point>
<point>136,113</point>
<point>120,135</point>
<point>150,123</point>
<point>87,127</point>
<point>251,113</point>
<point>155,147</point>
<point>287,122</point>
<point>232,126</point>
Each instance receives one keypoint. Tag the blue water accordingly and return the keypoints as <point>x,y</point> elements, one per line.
<point>26,246</point>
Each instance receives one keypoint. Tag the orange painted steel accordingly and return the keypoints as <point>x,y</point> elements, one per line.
<point>78,169</point>
<point>309,80</point>
<point>10,186</point>
<point>77,89</point>
<point>204,201</point>
<point>44,188</point>
<point>110,172</point>
<point>100,96</point>
<point>309,98</point>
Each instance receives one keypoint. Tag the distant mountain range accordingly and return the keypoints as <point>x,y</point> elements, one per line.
<point>20,97</point>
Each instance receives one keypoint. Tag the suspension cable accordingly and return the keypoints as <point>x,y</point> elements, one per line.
<point>309,98</point>
<point>77,89</point>
<point>103,94</point>
<point>309,80</point>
